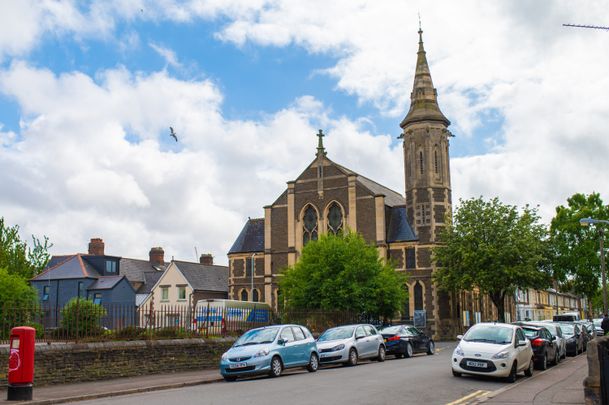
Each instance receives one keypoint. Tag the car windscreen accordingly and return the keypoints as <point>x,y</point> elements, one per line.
<point>391,330</point>
<point>567,329</point>
<point>489,334</point>
<point>257,336</point>
<point>337,334</point>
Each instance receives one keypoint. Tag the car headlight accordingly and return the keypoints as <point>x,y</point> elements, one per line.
<point>262,353</point>
<point>337,348</point>
<point>501,355</point>
<point>459,352</point>
<point>225,356</point>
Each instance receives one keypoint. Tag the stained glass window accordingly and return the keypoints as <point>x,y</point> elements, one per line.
<point>309,225</point>
<point>335,219</point>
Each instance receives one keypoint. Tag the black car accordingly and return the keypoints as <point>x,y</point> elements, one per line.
<point>545,349</point>
<point>405,340</point>
<point>574,336</point>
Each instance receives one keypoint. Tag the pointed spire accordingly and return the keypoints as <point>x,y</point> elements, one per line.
<point>321,151</point>
<point>424,98</point>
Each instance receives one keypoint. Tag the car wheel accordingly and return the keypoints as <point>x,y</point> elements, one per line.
<point>431,347</point>
<point>228,378</point>
<point>313,363</point>
<point>276,367</point>
<point>408,350</point>
<point>542,364</point>
<point>556,357</point>
<point>512,377</point>
<point>456,374</point>
<point>381,355</point>
<point>352,358</point>
<point>529,371</point>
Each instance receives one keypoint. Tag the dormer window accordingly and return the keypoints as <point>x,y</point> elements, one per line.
<point>110,267</point>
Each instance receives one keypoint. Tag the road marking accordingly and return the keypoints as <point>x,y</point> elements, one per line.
<point>467,398</point>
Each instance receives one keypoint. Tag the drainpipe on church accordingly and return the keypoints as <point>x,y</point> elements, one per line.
<point>252,275</point>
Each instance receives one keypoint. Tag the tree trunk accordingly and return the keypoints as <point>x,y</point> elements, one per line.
<point>498,298</point>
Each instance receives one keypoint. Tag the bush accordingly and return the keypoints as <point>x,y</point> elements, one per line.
<point>131,332</point>
<point>80,318</point>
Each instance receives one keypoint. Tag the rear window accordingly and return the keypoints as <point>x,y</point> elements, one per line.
<point>530,332</point>
<point>391,330</point>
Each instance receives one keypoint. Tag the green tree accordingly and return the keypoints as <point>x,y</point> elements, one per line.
<point>81,317</point>
<point>494,248</point>
<point>17,302</point>
<point>575,259</point>
<point>17,257</point>
<point>343,273</point>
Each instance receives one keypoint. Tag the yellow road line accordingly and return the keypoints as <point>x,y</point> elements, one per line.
<point>467,398</point>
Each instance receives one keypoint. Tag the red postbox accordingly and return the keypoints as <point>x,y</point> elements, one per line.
<point>21,364</point>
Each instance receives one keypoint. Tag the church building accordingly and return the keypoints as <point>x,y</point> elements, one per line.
<point>328,197</point>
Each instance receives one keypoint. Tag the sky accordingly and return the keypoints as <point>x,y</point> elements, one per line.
<point>88,91</point>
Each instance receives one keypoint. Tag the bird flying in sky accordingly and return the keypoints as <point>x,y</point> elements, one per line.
<point>173,134</point>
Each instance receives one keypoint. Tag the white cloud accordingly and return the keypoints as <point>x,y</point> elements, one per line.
<point>167,54</point>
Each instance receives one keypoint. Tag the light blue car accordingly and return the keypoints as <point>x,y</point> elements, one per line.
<point>270,350</point>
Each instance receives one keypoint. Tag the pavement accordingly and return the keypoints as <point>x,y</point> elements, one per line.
<point>557,385</point>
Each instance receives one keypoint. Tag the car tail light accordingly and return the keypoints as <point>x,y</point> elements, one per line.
<point>537,342</point>
<point>391,339</point>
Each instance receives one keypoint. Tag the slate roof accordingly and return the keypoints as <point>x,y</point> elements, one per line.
<point>392,198</point>
<point>251,238</point>
<point>70,267</point>
<point>150,279</point>
<point>203,277</point>
<point>105,283</point>
<point>398,228</point>
<point>134,269</point>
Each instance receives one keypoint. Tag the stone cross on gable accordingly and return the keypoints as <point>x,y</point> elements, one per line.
<point>320,145</point>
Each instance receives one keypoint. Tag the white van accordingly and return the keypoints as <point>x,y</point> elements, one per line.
<point>566,317</point>
<point>218,316</point>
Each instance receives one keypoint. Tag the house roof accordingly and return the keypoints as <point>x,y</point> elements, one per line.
<point>398,229</point>
<point>251,238</point>
<point>134,269</point>
<point>204,277</point>
<point>105,283</point>
<point>67,267</point>
<point>150,279</point>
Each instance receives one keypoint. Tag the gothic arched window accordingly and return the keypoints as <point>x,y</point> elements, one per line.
<point>335,219</point>
<point>244,295</point>
<point>309,224</point>
<point>255,297</point>
<point>421,161</point>
<point>435,156</point>
<point>418,296</point>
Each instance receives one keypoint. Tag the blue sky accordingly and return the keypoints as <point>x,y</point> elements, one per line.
<point>87,94</point>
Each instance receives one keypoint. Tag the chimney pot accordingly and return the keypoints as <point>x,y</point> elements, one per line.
<point>157,256</point>
<point>206,259</point>
<point>96,247</point>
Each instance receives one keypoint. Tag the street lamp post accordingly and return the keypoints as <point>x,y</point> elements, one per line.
<point>601,231</point>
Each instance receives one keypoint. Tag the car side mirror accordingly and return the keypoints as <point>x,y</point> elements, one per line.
<point>521,343</point>
<point>553,338</point>
<point>281,342</point>
<point>459,337</point>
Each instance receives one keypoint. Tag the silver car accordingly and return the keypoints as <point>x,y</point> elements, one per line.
<point>347,344</point>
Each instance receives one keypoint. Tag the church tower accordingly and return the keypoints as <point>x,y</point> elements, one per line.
<point>428,194</point>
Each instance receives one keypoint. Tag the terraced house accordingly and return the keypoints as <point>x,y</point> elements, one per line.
<point>328,197</point>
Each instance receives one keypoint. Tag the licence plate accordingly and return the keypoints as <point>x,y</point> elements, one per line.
<point>237,365</point>
<point>478,364</point>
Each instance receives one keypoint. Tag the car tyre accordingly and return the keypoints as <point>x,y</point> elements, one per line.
<point>529,371</point>
<point>456,374</point>
<point>542,364</point>
<point>382,354</point>
<point>228,378</point>
<point>431,347</point>
<point>556,357</point>
<point>276,367</point>
<point>512,377</point>
<point>352,361</point>
<point>408,350</point>
<point>313,363</point>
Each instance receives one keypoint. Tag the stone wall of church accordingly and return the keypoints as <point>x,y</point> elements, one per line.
<point>279,228</point>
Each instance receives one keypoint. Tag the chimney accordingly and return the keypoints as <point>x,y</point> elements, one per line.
<point>157,256</point>
<point>206,259</point>
<point>96,247</point>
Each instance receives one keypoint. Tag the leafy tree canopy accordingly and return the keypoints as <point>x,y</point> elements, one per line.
<point>343,273</point>
<point>17,302</point>
<point>492,247</point>
<point>575,259</point>
<point>17,257</point>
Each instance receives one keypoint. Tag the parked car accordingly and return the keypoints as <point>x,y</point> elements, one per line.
<point>575,339</point>
<point>404,340</point>
<point>597,326</point>
<point>589,328</point>
<point>493,349</point>
<point>270,350</point>
<point>545,349</point>
<point>556,331</point>
<point>347,344</point>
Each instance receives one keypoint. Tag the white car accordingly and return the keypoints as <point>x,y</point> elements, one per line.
<point>347,344</point>
<point>493,349</point>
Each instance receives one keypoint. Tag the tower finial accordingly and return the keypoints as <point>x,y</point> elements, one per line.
<point>420,34</point>
<point>320,144</point>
